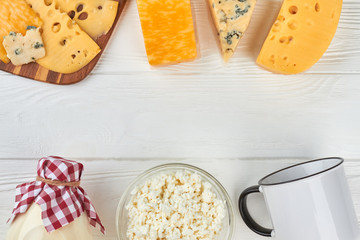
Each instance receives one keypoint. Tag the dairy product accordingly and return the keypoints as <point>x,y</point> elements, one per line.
<point>173,206</point>
<point>168,31</point>
<point>68,47</point>
<point>300,35</point>
<point>29,226</point>
<point>15,16</point>
<point>95,17</point>
<point>231,19</point>
<point>24,49</point>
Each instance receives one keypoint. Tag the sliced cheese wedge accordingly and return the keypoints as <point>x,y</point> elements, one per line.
<point>300,35</point>
<point>15,16</point>
<point>68,48</point>
<point>95,17</point>
<point>231,19</point>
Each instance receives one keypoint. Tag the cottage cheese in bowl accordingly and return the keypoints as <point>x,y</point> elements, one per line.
<point>172,202</point>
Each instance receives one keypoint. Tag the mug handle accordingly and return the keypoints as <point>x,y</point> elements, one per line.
<point>244,212</point>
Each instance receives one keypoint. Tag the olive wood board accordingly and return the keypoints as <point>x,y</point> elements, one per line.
<point>36,72</point>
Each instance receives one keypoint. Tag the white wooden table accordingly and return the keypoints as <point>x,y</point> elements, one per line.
<point>235,120</point>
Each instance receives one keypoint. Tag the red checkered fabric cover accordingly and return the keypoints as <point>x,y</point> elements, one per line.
<point>60,205</point>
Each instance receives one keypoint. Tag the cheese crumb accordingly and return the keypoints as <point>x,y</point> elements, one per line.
<point>24,49</point>
<point>178,205</point>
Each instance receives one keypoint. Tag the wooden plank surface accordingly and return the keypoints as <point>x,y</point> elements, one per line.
<point>106,179</point>
<point>199,109</point>
<point>221,117</point>
<point>182,116</point>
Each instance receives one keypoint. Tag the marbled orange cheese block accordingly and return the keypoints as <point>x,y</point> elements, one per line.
<point>300,35</point>
<point>168,31</point>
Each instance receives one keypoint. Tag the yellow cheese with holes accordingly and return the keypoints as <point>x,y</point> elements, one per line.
<point>300,35</point>
<point>15,16</point>
<point>68,48</point>
<point>168,30</point>
<point>95,17</point>
<point>231,19</point>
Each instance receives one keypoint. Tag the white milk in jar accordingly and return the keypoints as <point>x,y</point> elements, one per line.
<point>54,207</point>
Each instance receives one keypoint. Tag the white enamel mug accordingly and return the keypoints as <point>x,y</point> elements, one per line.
<point>307,201</point>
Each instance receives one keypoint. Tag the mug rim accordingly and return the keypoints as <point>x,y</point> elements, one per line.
<point>301,178</point>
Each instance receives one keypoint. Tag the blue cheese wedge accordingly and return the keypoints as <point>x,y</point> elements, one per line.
<point>231,19</point>
<point>24,49</point>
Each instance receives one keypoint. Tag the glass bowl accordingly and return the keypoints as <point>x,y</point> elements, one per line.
<point>228,222</point>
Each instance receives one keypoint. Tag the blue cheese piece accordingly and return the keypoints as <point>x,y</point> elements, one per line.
<point>231,19</point>
<point>24,49</point>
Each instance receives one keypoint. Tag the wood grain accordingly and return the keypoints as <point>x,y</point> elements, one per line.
<point>106,179</point>
<point>199,109</point>
<point>221,117</point>
<point>204,115</point>
<point>39,73</point>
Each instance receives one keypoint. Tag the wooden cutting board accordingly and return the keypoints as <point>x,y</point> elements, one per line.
<point>36,72</point>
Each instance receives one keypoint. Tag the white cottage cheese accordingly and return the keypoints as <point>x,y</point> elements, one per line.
<point>179,205</point>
